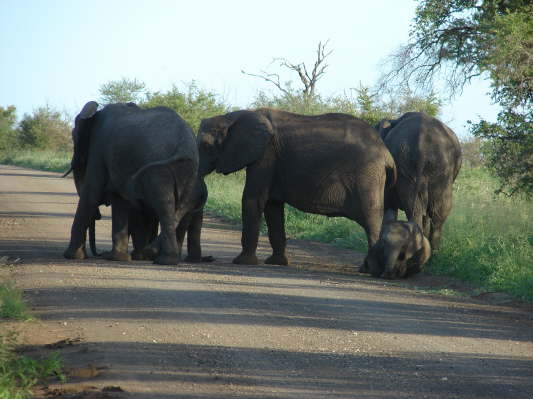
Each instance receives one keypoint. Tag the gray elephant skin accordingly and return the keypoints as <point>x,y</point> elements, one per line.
<point>402,250</point>
<point>331,164</point>
<point>427,154</point>
<point>134,159</point>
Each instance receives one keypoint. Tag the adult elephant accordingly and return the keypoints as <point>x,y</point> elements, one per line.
<point>132,158</point>
<point>428,157</point>
<point>332,164</point>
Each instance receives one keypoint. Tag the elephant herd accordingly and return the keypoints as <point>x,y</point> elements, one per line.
<point>149,166</point>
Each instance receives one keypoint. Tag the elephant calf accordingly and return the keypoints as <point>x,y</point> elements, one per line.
<point>402,250</point>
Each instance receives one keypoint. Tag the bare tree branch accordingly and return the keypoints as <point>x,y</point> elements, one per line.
<point>308,80</point>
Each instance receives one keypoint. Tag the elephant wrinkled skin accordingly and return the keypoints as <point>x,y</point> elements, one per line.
<point>428,157</point>
<point>332,164</point>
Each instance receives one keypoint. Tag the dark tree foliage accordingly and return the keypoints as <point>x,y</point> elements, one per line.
<point>460,39</point>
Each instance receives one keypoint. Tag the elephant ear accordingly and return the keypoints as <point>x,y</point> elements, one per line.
<point>81,134</point>
<point>244,143</point>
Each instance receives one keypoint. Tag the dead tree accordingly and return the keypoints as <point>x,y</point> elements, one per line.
<point>308,79</point>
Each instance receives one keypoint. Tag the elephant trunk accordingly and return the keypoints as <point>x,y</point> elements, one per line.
<point>390,268</point>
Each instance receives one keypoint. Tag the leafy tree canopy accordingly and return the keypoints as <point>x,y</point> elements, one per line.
<point>460,39</point>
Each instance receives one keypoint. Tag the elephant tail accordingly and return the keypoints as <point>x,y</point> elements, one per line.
<point>92,233</point>
<point>390,169</point>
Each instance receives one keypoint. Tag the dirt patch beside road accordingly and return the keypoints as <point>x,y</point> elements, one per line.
<point>314,330</point>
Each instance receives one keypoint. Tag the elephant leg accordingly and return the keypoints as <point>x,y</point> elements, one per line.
<point>252,209</point>
<point>194,230</point>
<point>143,228</point>
<point>120,212</point>
<point>254,199</point>
<point>439,209</point>
<point>85,213</point>
<point>182,229</point>
<point>275,219</point>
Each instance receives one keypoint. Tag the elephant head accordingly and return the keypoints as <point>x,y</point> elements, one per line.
<point>401,250</point>
<point>233,141</point>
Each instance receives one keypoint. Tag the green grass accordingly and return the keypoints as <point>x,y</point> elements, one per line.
<point>18,373</point>
<point>11,304</point>
<point>487,239</point>
<point>225,193</point>
<point>42,160</point>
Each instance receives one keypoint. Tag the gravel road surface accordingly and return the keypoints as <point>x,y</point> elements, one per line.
<point>315,329</point>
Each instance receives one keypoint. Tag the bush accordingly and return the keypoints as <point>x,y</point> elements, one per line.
<point>192,104</point>
<point>45,129</point>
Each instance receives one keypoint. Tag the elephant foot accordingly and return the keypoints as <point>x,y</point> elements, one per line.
<point>195,259</point>
<point>78,253</point>
<point>117,256</point>
<point>277,260</point>
<point>246,260</point>
<point>140,255</point>
<point>150,253</point>
<point>363,268</point>
<point>167,260</point>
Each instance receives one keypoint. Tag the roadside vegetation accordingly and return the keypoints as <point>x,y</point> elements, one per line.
<point>20,373</point>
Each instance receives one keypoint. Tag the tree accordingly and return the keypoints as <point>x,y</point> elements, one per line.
<point>461,39</point>
<point>45,128</point>
<point>8,120</point>
<point>122,91</point>
<point>304,100</point>
<point>192,104</point>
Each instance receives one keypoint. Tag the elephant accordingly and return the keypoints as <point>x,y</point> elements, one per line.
<point>428,157</point>
<point>402,250</point>
<point>191,223</point>
<point>330,164</point>
<point>134,159</point>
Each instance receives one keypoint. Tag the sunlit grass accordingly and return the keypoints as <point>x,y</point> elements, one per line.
<point>19,373</point>
<point>487,239</point>
<point>52,161</point>
<point>12,306</point>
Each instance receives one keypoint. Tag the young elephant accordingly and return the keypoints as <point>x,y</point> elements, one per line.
<point>133,158</point>
<point>191,223</point>
<point>428,157</point>
<point>402,250</point>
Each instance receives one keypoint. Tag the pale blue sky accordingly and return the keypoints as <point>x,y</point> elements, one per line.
<point>59,52</point>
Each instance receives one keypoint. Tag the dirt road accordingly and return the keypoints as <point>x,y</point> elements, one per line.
<point>225,331</point>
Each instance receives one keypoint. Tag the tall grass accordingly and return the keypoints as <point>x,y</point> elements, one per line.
<point>53,161</point>
<point>487,239</point>
<point>225,193</point>
<point>12,305</point>
<point>19,373</point>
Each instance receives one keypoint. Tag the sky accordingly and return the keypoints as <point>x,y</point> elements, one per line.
<point>59,52</point>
